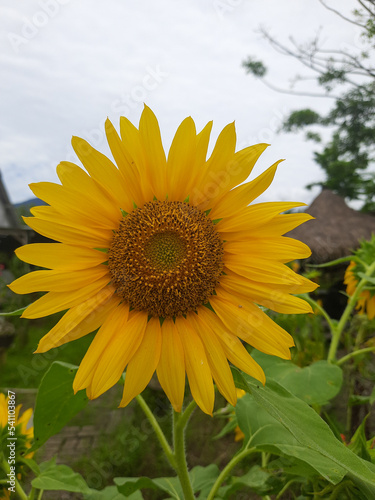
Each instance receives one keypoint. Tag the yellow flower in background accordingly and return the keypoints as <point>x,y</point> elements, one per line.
<point>166,257</point>
<point>20,422</point>
<point>366,300</point>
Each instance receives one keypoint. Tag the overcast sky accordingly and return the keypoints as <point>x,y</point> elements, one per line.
<point>68,64</point>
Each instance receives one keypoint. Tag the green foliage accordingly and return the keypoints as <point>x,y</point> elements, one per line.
<point>55,477</point>
<point>202,479</point>
<point>255,67</point>
<point>272,419</point>
<point>315,384</point>
<point>56,403</point>
<point>300,119</point>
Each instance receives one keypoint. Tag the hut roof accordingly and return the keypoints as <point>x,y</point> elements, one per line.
<point>336,229</point>
<point>8,218</point>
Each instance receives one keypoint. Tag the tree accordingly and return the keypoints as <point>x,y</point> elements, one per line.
<point>349,79</point>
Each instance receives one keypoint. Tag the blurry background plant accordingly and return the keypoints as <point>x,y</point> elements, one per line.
<point>348,77</point>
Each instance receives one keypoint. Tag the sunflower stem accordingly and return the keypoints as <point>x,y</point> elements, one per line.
<point>179,425</point>
<point>337,331</point>
<point>158,431</point>
<point>351,355</point>
<point>227,469</point>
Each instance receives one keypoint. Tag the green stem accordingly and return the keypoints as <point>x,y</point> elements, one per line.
<point>40,495</point>
<point>285,488</point>
<point>21,494</point>
<point>322,311</point>
<point>227,469</point>
<point>184,417</point>
<point>351,355</point>
<point>179,424</point>
<point>337,331</point>
<point>159,433</point>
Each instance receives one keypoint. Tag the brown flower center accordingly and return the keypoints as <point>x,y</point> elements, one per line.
<point>166,258</point>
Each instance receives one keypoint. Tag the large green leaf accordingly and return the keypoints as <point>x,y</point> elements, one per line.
<point>59,478</point>
<point>266,433</point>
<point>317,383</point>
<point>56,403</point>
<point>312,434</point>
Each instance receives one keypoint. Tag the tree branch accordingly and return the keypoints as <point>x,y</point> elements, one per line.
<point>341,15</point>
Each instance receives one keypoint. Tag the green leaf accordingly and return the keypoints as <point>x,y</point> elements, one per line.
<point>31,464</point>
<point>314,384</point>
<point>59,478</point>
<point>310,432</point>
<point>111,493</point>
<point>268,434</point>
<point>257,480</point>
<point>17,312</point>
<point>358,443</point>
<point>202,480</point>
<point>129,485</point>
<point>56,403</point>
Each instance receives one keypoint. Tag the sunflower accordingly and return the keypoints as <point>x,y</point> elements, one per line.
<point>366,300</point>
<point>166,256</point>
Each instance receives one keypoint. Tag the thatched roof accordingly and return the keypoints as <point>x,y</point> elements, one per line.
<point>336,229</point>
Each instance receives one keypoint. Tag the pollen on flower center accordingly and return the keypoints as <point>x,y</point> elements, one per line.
<point>166,258</point>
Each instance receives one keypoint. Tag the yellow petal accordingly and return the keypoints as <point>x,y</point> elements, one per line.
<point>171,367</point>
<point>53,302</point>
<point>57,281</point>
<point>154,155</point>
<point>216,358</point>
<point>123,160</point>
<point>241,196</point>
<point>104,172</point>
<point>232,346</point>
<point>92,238</point>
<point>59,256</point>
<point>144,362</point>
<point>278,226</point>
<point>74,177</point>
<point>117,354</point>
<point>279,248</point>
<point>106,335</point>
<point>131,142</point>
<point>255,216</point>
<point>197,367</point>
<point>203,139</point>
<point>268,271</point>
<point>250,324</point>
<point>266,295</point>
<point>80,320</point>
<point>181,161</point>
<point>72,203</point>
<point>214,177</point>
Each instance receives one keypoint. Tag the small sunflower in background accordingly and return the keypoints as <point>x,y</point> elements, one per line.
<point>23,436</point>
<point>366,300</point>
<point>169,257</point>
